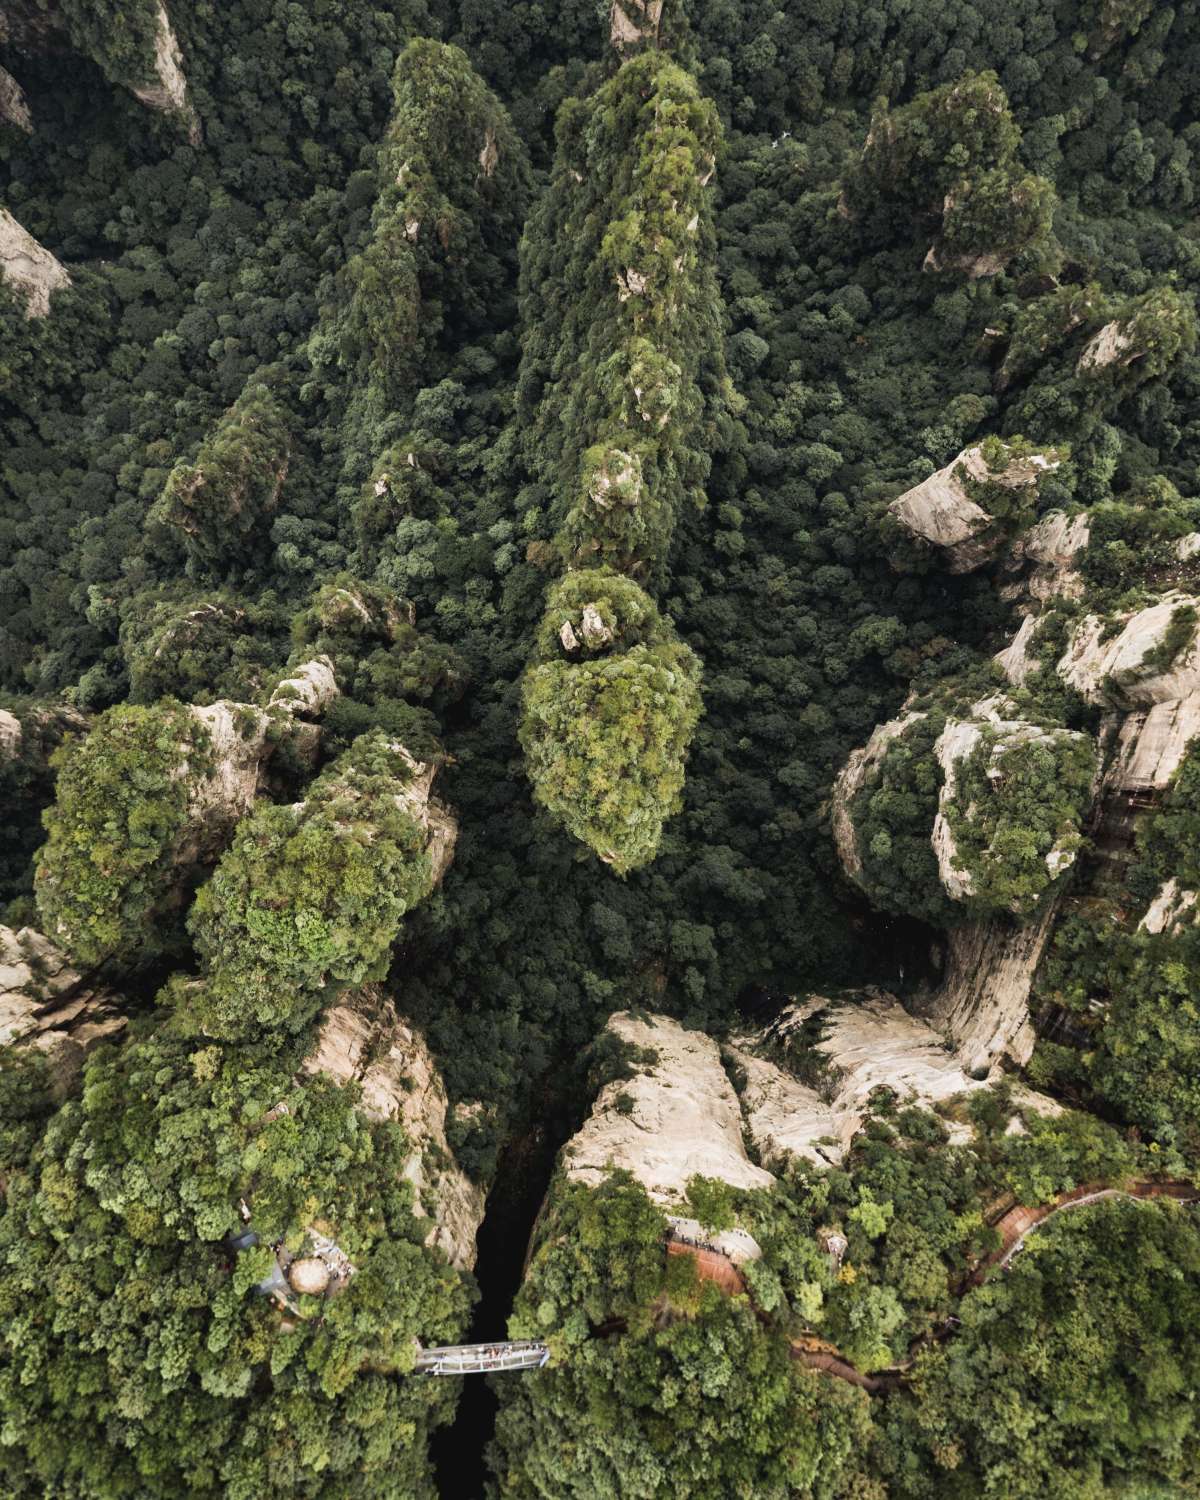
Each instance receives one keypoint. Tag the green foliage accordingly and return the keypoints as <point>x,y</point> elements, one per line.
<point>117,34</point>
<point>308,899</point>
<point>1016,815</point>
<point>1066,1374</point>
<point>200,648</point>
<point>223,501</point>
<point>605,742</point>
<point>135,1359</point>
<point>105,877</point>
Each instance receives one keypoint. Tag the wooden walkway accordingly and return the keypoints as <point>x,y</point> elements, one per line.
<point>482,1359</point>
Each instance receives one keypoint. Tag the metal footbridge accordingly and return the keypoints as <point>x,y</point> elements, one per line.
<point>482,1359</point>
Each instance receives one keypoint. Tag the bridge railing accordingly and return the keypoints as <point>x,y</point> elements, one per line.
<point>482,1359</point>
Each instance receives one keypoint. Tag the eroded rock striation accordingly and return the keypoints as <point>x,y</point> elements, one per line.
<point>28,267</point>
<point>363,1041</point>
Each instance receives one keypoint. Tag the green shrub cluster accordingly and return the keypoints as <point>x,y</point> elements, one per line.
<point>105,878</point>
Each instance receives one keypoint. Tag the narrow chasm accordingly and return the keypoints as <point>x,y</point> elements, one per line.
<point>459,1451</point>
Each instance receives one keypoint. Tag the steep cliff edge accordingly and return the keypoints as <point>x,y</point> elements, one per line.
<point>29,268</point>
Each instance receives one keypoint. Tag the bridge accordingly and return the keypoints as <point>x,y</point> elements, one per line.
<point>482,1359</point>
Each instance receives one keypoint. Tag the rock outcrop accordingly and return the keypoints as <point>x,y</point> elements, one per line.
<point>439,823</point>
<point>850,782</point>
<point>1128,667</point>
<point>1173,907</point>
<point>48,1005</point>
<point>1054,546</point>
<point>676,1118</point>
<point>309,691</point>
<point>14,107</point>
<point>1113,345</point>
<point>29,268</point>
<point>1150,745</point>
<point>941,511</point>
<point>392,1065</point>
<point>223,793</point>
<point>168,93</point>
<point>867,1042</point>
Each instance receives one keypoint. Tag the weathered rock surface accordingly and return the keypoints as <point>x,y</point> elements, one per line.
<point>1114,668</point>
<point>982,1004</point>
<point>941,512</point>
<point>959,739</point>
<point>632,22</point>
<point>48,1005</point>
<point>168,93</point>
<point>850,782</point>
<point>1151,744</point>
<point>867,1042</point>
<point>1172,908</point>
<point>14,107</point>
<point>392,1065</point>
<point>439,823</point>
<point>10,735</point>
<point>223,794</point>
<point>1054,546</point>
<point>309,691</point>
<point>29,268</point>
<point>1113,345</point>
<point>1016,660</point>
<point>683,1120</point>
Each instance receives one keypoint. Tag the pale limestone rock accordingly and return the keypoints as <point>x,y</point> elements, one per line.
<point>633,21</point>
<point>14,107</point>
<point>10,735</point>
<point>1151,744</point>
<point>29,268</point>
<point>1187,546</point>
<point>619,471</point>
<point>49,1006</point>
<point>439,823</point>
<point>630,283</point>
<point>392,1065</point>
<point>1101,669</point>
<point>566,634</point>
<point>941,512</point>
<point>1113,345</point>
<point>169,94</point>
<point>220,797</point>
<point>1015,660</point>
<point>489,154</point>
<point>849,784</point>
<point>982,1004</point>
<point>309,690</point>
<point>595,632</point>
<point>1054,546</point>
<point>866,1043</point>
<point>973,267</point>
<point>684,1121</point>
<point>1171,905</point>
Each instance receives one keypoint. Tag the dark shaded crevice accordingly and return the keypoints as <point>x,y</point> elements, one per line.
<point>522,1178</point>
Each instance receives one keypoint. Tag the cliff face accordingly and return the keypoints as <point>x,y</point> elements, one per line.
<point>389,1060</point>
<point>14,107</point>
<point>29,268</point>
<point>850,782</point>
<point>676,1118</point>
<point>48,1005</point>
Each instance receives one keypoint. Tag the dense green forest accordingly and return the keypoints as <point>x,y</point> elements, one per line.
<point>462,470</point>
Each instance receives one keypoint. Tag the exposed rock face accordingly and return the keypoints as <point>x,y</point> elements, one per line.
<point>849,784</point>
<point>439,823</point>
<point>1115,668</point>
<point>632,22</point>
<point>1054,547</point>
<point>684,1120</point>
<point>219,798</point>
<point>47,1005</point>
<point>1171,909</point>
<point>309,691</point>
<point>973,267</point>
<point>14,107</point>
<point>1113,345</point>
<point>940,510</point>
<point>392,1065</point>
<point>982,1005</point>
<point>10,735</point>
<point>169,93</point>
<point>1015,660</point>
<point>867,1043</point>
<point>29,268</point>
<point>958,740</point>
<point>1151,745</point>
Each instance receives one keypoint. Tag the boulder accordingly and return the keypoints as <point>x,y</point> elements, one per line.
<point>309,691</point>
<point>632,22</point>
<point>14,107</point>
<point>1113,345</point>
<point>1105,667</point>
<point>1171,909</point>
<point>941,512</point>
<point>29,268</point>
<point>1054,547</point>
<point>676,1118</point>
<point>48,1005</point>
<point>392,1065</point>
